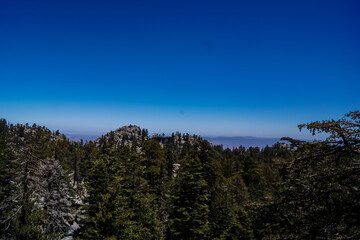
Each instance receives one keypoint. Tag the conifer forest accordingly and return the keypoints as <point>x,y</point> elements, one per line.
<point>129,185</point>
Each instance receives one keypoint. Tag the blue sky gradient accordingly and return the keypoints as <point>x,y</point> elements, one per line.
<point>215,68</point>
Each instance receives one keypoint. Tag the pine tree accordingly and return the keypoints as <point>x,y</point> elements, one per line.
<point>189,214</point>
<point>240,229</point>
<point>8,168</point>
<point>96,225</point>
<point>319,196</point>
<point>28,222</point>
<point>119,203</point>
<point>91,153</point>
<point>253,176</point>
<point>221,212</point>
<point>221,206</point>
<point>154,160</point>
<point>141,202</point>
<point>170,161</point>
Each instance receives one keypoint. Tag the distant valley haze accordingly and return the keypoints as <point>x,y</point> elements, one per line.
<point>226,141</point>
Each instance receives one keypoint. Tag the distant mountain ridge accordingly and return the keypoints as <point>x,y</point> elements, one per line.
<point>84,136</point>
<point>245,141</point>
<point>227,142</point>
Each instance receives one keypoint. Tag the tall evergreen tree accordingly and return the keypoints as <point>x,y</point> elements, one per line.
<point>153,161</point>
<point>190,198</point>
<point>119,203</point>
<point>221,206</point>
<point>8,171</point>
<point>97,223</point>
<point>319,198</point>
<point>27,224</point>
<point>141,202</point>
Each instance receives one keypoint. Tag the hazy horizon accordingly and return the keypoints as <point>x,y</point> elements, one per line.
<point>91,134</point>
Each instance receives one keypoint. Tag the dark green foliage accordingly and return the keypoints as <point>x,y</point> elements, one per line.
<point>240,228</point>
<point>120,205</point>
<point>27,223</point>
<point>190,212</point>
<point>319,198</point>
<point>253,177</point>
<point>155,172</point>
<point>170,161</point>
<point>26,217</point>
<point>140,201</point>
<point>154,161</point>
<point>221,211</point>
<point>91,153</point>
<point>105,205</point>
<point>8,169</point>
<point>181,187</point>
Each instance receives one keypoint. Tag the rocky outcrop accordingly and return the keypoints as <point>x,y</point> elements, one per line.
<point>135,136</point>
<point>125,136</point>
<point>20,132</point>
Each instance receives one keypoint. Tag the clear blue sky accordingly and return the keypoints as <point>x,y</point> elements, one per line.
<point>229,68</point>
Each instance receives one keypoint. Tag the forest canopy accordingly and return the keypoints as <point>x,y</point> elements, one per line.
<point>126,185</point>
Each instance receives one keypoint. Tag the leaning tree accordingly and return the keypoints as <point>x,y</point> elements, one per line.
<point>319,196</point>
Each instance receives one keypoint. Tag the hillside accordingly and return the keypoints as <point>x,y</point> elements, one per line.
<point>128,185</point>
